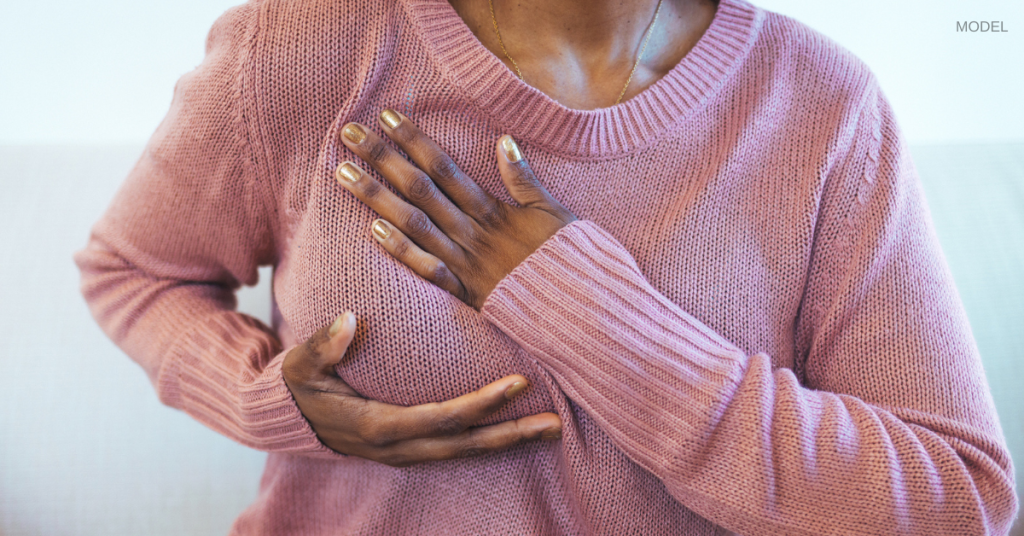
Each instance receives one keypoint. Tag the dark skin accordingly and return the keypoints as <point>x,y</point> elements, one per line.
<point>457,236</point>
<point>488,239</point>
<point>444,227</point>
<point>580,52</point>
<point>395,435</point>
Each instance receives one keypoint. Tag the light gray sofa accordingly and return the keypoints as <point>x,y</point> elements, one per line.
<point>86,448</point>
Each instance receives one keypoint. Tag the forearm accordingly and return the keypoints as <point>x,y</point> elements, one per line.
<point>218,365</point>
<point>745,446</point>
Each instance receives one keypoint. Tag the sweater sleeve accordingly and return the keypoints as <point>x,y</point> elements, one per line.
<point>184,231</point>
<point>892,429</point>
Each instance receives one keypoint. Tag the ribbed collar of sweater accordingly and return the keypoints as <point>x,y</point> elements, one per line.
<point>530,115</point>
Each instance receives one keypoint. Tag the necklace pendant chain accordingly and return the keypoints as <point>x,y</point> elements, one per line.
<point>501,44</point>
<point>639,56</point>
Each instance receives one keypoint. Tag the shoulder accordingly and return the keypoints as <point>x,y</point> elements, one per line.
<point>323,23</point>
<point>304,38</point>
<point>307,51</point>
<point>810,66</point>
<point>809,93</point>
<point>305,59</point>
<point>305,64</point>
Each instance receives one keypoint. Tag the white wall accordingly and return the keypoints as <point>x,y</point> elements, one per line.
<point>86,449</point>
<point>945,86</point>
<point>103,71</point>
<point>95,72</point>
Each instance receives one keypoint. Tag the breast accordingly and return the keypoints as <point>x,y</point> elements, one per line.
<point>415,343</point>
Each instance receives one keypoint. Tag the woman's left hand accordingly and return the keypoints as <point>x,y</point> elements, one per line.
<point>448,229</point>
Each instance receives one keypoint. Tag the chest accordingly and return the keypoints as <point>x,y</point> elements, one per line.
<point>705,230</point>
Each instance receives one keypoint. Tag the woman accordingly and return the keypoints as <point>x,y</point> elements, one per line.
<point>712,301</point>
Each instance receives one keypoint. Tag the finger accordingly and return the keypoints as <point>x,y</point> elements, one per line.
<point>424,264</point>
<point>519,179</point>
<point>465,192</point>
<point>411,220</point>
<point>391,424</point>
<point>417,188</point>
<point>473,442</point>
<point>315,360</point>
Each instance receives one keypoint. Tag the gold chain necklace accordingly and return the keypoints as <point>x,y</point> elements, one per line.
<point>647,37</point>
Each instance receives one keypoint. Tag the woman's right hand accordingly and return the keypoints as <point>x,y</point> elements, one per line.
<point>396,435</point>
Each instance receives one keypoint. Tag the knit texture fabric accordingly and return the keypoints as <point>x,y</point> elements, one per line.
<point>751,328</point>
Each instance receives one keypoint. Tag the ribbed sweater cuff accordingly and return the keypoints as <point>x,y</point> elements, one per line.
<point>220,381</point>
<point>653,376</point>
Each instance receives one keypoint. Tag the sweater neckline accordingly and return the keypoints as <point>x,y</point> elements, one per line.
<point>532,117</point>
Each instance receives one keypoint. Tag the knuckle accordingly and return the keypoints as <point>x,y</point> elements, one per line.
<point>442,166</point>
<point>522,178</point>
<point>404,135</point>
<point>448,425</point>
<point>377,151</point>
<point>516,436</point>
<point>401,250</point>
<point>416,224</point>
<point>371,189</point>
<point>470,449</point>
<point>437,271</point>
<point>449,282</point>
<point>491,215</point>
<point>420,188</point>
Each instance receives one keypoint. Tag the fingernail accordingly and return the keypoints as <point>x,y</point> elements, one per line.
<point>514,390</point>
<point>354,133</point>
<point>511,149</point>
<point>391,118</point>
<point>338,324</point>
<point>381,230</point>
<point>551,435</point>
<point>348,172</point>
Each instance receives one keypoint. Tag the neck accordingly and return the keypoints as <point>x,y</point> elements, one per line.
<point>580,25</point>
<point>580,52</point>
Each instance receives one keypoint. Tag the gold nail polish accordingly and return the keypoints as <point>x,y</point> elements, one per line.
<point>514,390</point>
<point>511,150</point>
<point>348,171</point>
<point>354,133</point>
<point>391,118</point>
<point>551,435</point>
<point>381,229</point>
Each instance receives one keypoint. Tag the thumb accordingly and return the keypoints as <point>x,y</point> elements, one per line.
<point>339,337</point>
<point>519,179</point>
<point>315,360</point>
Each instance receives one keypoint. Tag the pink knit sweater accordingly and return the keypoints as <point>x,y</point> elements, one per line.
<point>751,328</point>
